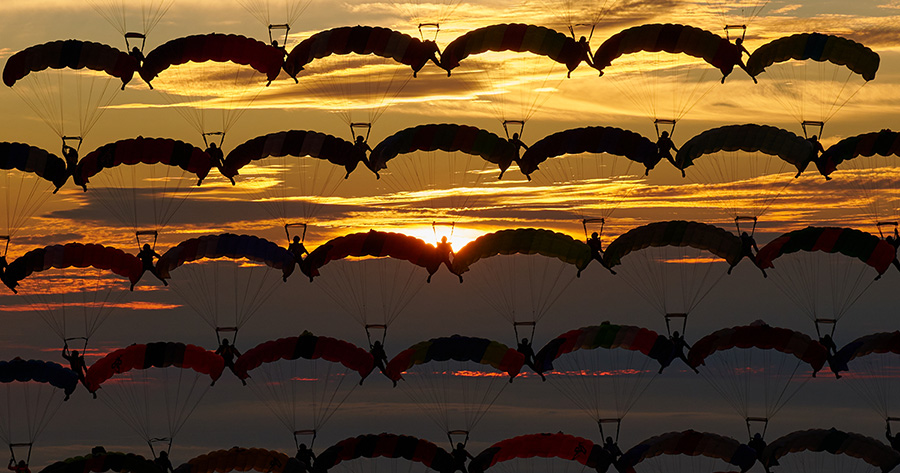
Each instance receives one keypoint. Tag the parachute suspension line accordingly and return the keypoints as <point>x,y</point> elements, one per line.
<point>609,420</point>
<point>737,223</point>
<point>669,318</point>
<point>311,433</point>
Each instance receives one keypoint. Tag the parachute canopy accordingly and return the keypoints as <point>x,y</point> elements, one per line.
<point>527,241</point>
<point>154,355</point>
<point>691,443</point>
<point>459,348</point>
<point>835,442</point>
<point>514,37</point>
<point>818,47</point>
<point>226,245</point>
<point>882,143</point>
<point>386,445</point>
<point>145,151</point>
<point>73,255</point>
<point>114,461</point>
<point>40,371</point>
<point>863,246</point>
<point>592,139</point>
<point>767,139</point>
<point>717,241</point>
<point>372,243</point>
<point>306,346</point>
<point>297,143</point>
<point>558,445</point>
<point>762,336</point>
<point>241,50</point>
<point>241,459</point>
<point>607,336</point>
<point>32,159</point>
<point>72,54</point>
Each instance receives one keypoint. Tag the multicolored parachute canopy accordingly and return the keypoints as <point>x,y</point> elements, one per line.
<point>260,56</point>
<point>691,443</point>
<point>884,342</point>
<point>558,445</point>
<point>751,138</point>
<point>39,371</point>
<point>762,336</point>
<point>110,461</point>
<point>72,54</point>
<point>386,445</point>
<point>717,241</point>
<point>144,151</point>
<point>226,245</point>
<point>382,42</point>
<point>514,37</point>
<point>882,143</point>
<point>73,255</point>
<point>26,158</point>
<point>459,348</point>
<point>527,241</point>
<point>444,137</point>
<point>372,243</point>
<point>294,143</point>
<point>154,355</point>
<point>605,335</point>
<point>818,47</point>
<point>835,442</point>
<point>241,459</point>
<point>306,346</point>
<point>863,246</point>
<point>675,39</point>
<point>591,139</point>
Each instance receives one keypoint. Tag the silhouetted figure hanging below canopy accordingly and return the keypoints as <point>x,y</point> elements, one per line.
<point>70,154</point>
<point>748,250</point>
<point>664,148</point>
<point>380,357</point>
<point>460,457</point>
<point>162,461</point>
<point>77,364</point>
<point>739,59</point>
<point>306,457</point>
<point>363,149</point>
<point>20,467</point>
<point>584,49</point>
<point>146,256</point>
<point>758,444</point>
<point>517,145</point>
<point>138,55</point>
<point>228,353</point>
<point>894,440</point>
<point>525,348</point>
<point>597,251</point>
<point>443,251</point>
<point>678,347</point>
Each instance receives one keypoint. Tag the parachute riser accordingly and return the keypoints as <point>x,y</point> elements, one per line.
<point>819,322</point>
<point>287,28</point>
<point>134,35</point>
<point>728,29</point>
<point>519,123</point>
<point>434,228</point>
<point>5,245</point>
<point>586,221</point>
<point>220,134</point>
<point>233,330</point>
<point>361,126</point>
<point>77,139</point>
<point>310,433</point>
<point>590,34</point>
<point>165,440</point>
<point>812,124</point>
<point>877,224</point>
<point>14,446</point>
<point>516,326</point>
<point>83,348</point>
<point>436,27</point>
<point>610,420</point>
<point>763,420</point>
<point>739,219</point>
<point>144,233</point>
<point>382,327</point>
<point>288,233</point>
<point>458,433</point>
<point>662,121</point>
<point>683,318</point>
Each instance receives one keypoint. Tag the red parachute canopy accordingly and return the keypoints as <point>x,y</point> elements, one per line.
<point>372,243</point>
<point>459,348</point>
<point>306,346</point>
<point>762,336</point>
<point>294,143</point>
<point>110,461</point>
<point>866,247</point>
<point>691,443</point>
<point>71,54</point>
<point>835,442</point>
<point>717,241</point>
<point>386,445</point>
<point>514,37</point>
<point>154,355</point>
<point>25,158</point>
<point>146,151</point>
<point>592,139</point>
<point>558,445</point>
<point>608,336</point>
<point>444,137</point>
<point>227,245</point>
<point>77,255</point>
<point>241,50</point>
<point>882,143</point>
<point>361,40</point>
<point>241,459</point>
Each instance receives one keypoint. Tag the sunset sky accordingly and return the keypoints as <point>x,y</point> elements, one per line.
<point>427,194</point>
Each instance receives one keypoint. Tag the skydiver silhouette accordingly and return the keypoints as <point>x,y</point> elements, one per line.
<point>163,463</point>
<point>77,364</point>
<point>218,159</point>
<point>362,148</point>
<point>146,256</point>
<point>71,156</point>
<point>739,59</point>
<point>298,250</point>
<point>664,148</point>
<point>817,151</point>
<point>443,251</point>
<point>894,440</point>
<point>380,357</point>
<point>612,448</point>
<point>525,348</point>
<point>460,457</point>
<point>138,55</point>
<point>20,467</point>
<point>306,457</point>
<point>596,252</point>
<point>228,353</point>
<point>748,250</point>
<point>584,49</point>
<point>758,445</point>
<point>432,50</point>
<point>517,144</point>
<point>831,348</point>
<point>894,240</point>
<point>7,278</point>
<point>678,346</point>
